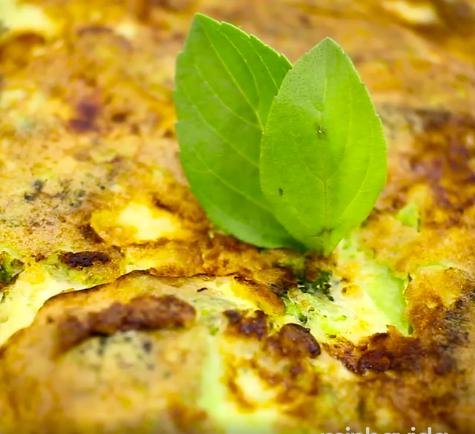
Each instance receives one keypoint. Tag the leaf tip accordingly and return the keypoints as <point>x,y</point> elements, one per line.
<point>330,43</point>
<point>203,20</point>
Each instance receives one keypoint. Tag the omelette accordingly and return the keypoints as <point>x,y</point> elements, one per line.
<point>124,310</point>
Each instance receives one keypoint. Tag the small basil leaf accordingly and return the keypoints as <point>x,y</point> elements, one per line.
<point>226,81</point>
<point>323,152</point>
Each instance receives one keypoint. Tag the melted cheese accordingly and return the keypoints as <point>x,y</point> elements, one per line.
<point>148,225</point>
<point>137,222</point>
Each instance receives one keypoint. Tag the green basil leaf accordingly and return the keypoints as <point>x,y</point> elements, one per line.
<point>323,152</point>
<point>226,81</point>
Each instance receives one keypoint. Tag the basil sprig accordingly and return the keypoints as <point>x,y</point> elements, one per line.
<point>278,156</point>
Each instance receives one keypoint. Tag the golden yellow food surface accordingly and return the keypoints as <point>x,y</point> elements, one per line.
<point>122,310</point>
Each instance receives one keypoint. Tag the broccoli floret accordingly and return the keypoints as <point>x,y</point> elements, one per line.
<point>10,268</point>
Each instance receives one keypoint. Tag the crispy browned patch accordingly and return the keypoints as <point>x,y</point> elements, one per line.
<point>421,378</point>
<point>226,255</point>
<point>444,159</point>
<point>262,293</point>
<point>87,111</point>
<point>83,259</point>
<point>293,340</point>
<point>380,352</point>
<point>189,419</point>
<point>243,324</point>
<point>20,47</point>
<point>279,279</point>
<point>174,258</point>
<point>146,312</point>
<point>177,199</point>
<point>281,360</point>
<point>440,157</point>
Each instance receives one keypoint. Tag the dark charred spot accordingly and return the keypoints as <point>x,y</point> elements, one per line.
<point>279,279</point>
<point>305,20</point>
<point>93,29</point>
<point>119,117</point>
<point>37,188</point>
<point>77,198</point>
<point>375,360</point>
<point>248,326</point>
<point>433,119</point>
<point>87,112</point>
<point>147,346</point>
<point>141,313</point>
<point>39,257</point>
<point>294,341</point>
<point>83,259</point>
<point>161,203</point>
<point>244,280</point>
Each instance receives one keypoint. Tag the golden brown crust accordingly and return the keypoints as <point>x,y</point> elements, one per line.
<point>141,313</point>
<point>294,341</point>
<point>254,325</point>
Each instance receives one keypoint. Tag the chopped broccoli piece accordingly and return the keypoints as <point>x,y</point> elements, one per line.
<point>10,268</point>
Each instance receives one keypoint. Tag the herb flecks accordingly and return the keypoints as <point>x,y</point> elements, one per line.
<point>320,285</point>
